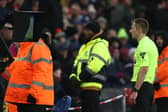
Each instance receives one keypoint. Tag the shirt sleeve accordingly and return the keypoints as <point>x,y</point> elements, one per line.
<point>143,56</point>
<point>99,57</point>
<point>42,79</point>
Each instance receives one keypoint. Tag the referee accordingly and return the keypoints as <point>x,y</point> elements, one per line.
<point>145,66</point>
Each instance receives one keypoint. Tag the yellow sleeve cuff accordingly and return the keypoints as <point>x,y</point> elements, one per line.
<point>72,75</point>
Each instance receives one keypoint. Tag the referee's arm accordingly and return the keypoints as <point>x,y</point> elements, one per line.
<point>141,76</point>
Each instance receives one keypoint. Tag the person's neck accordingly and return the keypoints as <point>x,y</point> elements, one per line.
<point>140,36</point>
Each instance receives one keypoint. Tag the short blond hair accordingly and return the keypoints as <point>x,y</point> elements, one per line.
<point>143,24</point>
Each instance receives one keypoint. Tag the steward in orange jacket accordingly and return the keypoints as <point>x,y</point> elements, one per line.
<point>161,81</point>
<point>31,78</point>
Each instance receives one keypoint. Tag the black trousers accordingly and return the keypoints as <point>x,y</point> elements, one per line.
<point>144,99</point>
<point>90,100</point>
<point>32,108</point>
<point>1,105</point>
<point>162,104</point>
<point>3,85</point>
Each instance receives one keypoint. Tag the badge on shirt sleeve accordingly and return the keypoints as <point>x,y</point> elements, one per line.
<point>142,54</point>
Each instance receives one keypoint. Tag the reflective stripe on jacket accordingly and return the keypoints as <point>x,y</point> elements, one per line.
<point>95,55</point>
<point>162,75</point>
<point>31,73</point>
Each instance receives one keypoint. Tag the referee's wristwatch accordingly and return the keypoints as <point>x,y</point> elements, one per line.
<point>135,89</point>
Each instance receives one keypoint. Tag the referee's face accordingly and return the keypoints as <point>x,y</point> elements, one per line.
<point>133,31</point>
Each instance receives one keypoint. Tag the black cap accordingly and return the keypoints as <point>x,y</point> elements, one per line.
<point>8,19</point>
<point>93,26</point>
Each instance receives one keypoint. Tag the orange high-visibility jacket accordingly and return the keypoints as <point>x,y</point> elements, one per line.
<point>162,74</point>
<point>31,73</point>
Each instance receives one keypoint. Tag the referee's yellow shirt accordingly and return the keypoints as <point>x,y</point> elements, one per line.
<point>146,54</point>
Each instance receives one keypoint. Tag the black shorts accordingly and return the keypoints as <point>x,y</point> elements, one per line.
<point>144,99</point>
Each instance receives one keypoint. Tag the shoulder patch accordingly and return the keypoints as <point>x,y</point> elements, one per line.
<point>142,54</point>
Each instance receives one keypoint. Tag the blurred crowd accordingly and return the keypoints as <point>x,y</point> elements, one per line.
<point>66,19</point>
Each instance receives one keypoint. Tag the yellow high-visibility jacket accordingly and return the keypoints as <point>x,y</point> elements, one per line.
<point>94,55</point>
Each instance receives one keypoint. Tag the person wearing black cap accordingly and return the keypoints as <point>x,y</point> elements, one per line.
<point>88,70</point>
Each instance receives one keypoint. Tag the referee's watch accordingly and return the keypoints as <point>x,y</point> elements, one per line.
<point>135,89</point>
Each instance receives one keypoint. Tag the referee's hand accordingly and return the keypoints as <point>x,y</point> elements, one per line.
<point>132,98</point>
